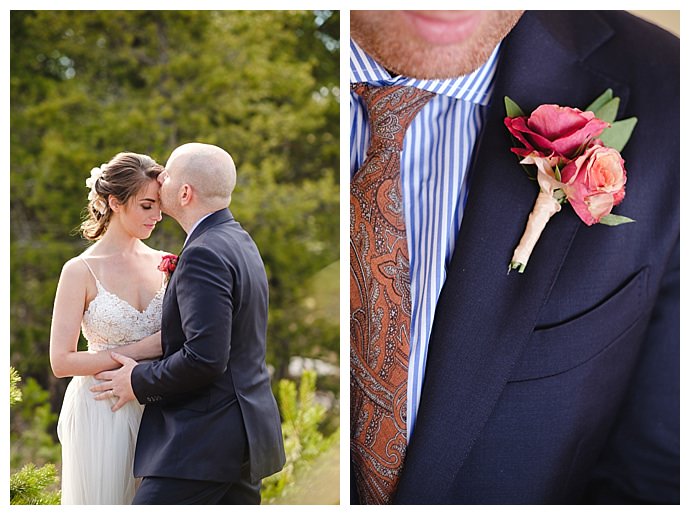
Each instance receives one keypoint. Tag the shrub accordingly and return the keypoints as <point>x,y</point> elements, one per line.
<point>302,418</point>
<point>34,485</point>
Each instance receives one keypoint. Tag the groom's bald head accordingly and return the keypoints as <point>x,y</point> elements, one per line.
<point>208,169</point>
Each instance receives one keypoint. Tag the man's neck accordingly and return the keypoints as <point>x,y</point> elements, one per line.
<point>191,220</point>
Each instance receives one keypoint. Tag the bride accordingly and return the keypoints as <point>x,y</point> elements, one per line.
<point>113,291</point>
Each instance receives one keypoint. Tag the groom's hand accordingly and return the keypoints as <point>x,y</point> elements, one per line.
<point>116,383</point>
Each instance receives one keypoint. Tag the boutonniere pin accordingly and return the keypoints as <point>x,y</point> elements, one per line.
<point>577,158</point>
<point>168,265</point>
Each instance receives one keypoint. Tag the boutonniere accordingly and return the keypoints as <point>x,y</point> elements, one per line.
<point>168,265</point>
<point>577,158</point>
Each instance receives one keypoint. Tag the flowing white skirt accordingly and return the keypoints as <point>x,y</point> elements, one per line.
<point>97,447</point>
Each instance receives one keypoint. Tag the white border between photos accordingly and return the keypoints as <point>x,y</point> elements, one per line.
<point>344,260</point>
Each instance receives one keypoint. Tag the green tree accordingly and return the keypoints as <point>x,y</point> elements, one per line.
<point>28,486</point>
<point>303,434</point>
<point>31,485</point>
<point>31,428</point>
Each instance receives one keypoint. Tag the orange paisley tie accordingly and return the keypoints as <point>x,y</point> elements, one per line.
<point>380,304</point>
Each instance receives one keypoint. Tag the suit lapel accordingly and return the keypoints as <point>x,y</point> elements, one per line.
<point>215,218</point>
<point>223,215</point>
<point>484,317</point>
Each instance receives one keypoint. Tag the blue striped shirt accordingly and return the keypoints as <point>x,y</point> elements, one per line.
<point>436,154</point>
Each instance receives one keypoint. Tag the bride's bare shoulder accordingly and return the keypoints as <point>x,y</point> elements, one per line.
<point>158,253</point>
<point>75,270</point>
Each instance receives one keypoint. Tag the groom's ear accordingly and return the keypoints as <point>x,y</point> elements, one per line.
<point>186,194</point>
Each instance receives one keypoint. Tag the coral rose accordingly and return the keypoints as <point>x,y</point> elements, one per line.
<point>594,183</point>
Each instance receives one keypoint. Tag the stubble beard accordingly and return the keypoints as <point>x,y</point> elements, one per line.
<point>404,54</point>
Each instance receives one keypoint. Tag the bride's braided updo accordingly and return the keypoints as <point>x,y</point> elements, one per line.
<point>122,177</point>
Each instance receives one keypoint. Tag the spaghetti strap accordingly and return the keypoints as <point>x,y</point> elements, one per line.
<point>89,267</point>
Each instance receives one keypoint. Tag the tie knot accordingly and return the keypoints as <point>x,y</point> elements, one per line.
<point>391,109</point>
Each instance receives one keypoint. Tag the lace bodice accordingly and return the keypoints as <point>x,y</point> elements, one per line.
<point>110,321</point>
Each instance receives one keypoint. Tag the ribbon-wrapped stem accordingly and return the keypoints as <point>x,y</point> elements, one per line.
<point>544,208</point>
<point>548,203</point>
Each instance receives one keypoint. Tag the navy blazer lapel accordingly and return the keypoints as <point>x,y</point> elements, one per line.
<point>223,215</point>
<point>484,317</point>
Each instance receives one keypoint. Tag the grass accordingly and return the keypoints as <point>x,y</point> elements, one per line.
<point>317,484</point>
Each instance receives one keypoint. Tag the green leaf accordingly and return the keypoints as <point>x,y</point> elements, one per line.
<point>609,110</point>
<point>512,109</point>
<point>614,220</point>
<point>514,265</point>
<point>601,100</point>
<point>619,133</point>
<point>560,196</point>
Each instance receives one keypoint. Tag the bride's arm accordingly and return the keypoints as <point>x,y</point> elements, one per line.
<point>145,349</point>
<point>68,310</point>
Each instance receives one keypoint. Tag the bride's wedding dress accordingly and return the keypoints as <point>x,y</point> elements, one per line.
<point>97,444</point>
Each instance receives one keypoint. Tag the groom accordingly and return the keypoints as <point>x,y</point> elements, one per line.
<point>211,428</point>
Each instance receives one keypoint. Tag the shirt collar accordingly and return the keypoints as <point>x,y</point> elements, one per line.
<point>195,226</point>
<point>475,87</point>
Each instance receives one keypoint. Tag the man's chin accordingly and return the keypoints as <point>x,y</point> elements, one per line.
<point>424,47</point>
<point>435,63</point>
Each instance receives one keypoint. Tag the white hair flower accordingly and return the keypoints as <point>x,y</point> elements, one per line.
<point>98,201</point>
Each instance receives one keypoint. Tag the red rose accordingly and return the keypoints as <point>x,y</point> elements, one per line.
<point>595,182</point>
<point>168,264</point>
<point>553,130</point>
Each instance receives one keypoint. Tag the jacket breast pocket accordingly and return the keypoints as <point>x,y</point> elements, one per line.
<point>562,347</point>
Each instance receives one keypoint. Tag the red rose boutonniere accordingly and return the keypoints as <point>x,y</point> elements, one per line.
<point>578,161</point>
<point>168,265</point>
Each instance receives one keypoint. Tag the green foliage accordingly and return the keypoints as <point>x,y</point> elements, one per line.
<point>619,133</point>
<point>32,426</point>
<point>605,107</point>
<point>512,109</point>
<point>35,268</point>
<point>28,486</point>
<point>609,110</point>
<point>302,421</point>
<point>33,485</point>
<point>15,392</point>
<point>614,220</point>
<point>600,101</point>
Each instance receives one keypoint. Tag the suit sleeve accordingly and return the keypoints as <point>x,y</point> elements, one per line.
<point>641,461</point>
<point>204,292</point>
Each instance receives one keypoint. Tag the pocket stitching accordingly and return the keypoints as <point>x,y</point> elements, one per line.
<point>637,284</point>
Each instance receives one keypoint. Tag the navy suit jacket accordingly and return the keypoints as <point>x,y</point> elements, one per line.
<point>561,385</point>
<point>209,405</point>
